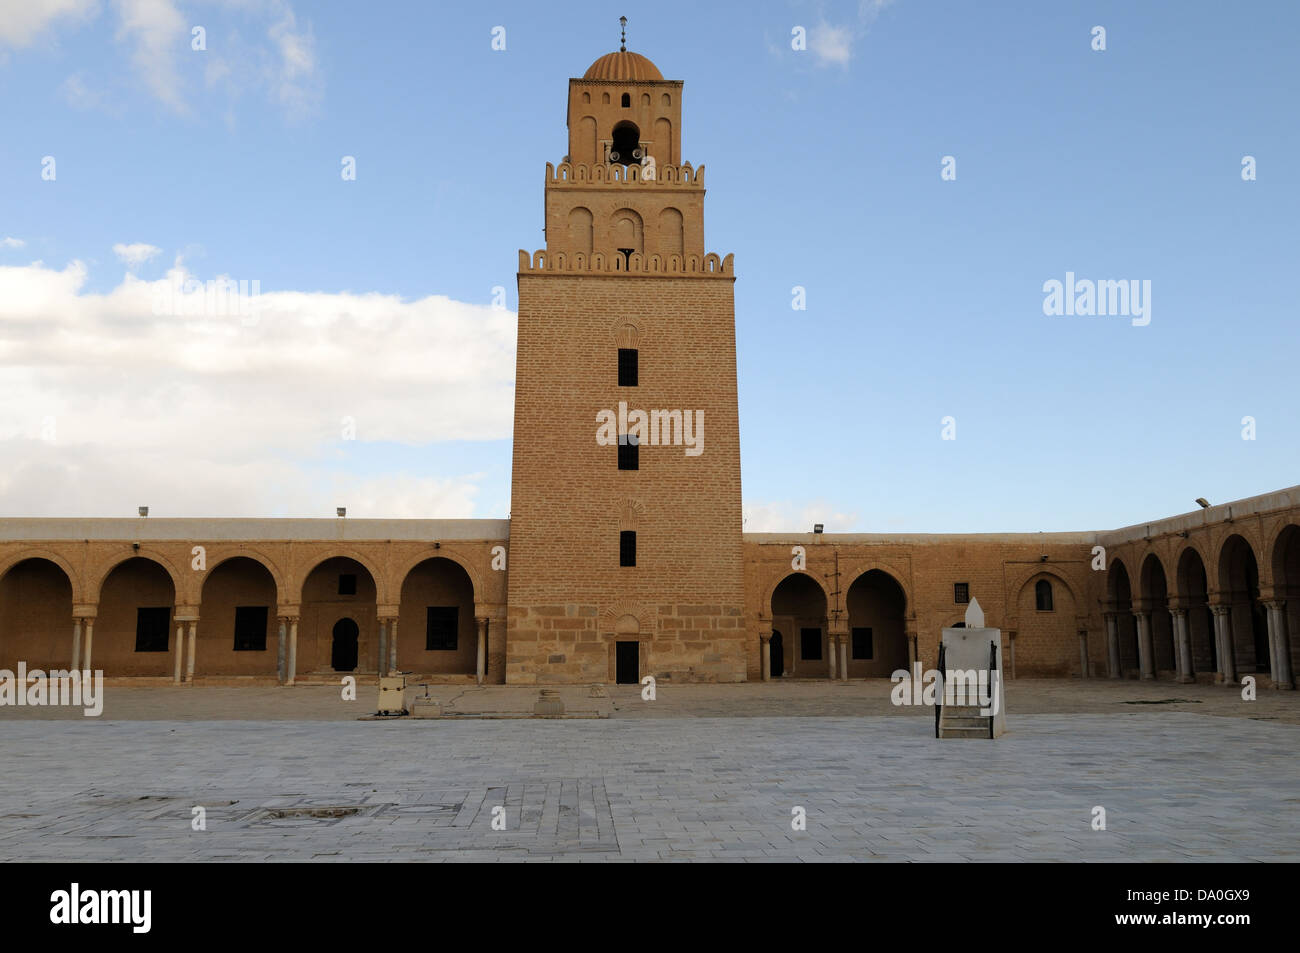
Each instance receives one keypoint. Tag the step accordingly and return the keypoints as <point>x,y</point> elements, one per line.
<point>946,731</point>
<point>976,722</point>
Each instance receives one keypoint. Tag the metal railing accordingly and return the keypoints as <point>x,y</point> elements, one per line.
<point>938,698</point>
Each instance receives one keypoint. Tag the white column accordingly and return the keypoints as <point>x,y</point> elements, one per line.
<point>392,645</point>
<point>1223,638</point>
<point>1112,644</point>
<point>76,644</point>
<point>480,668</point>
<point>1146,660</point>
<point>765,654</point>
<point>844,658</point>
<point>1182,645</point>
<point>293,649</point>
<point>189,661</point>
<point>90,642</point>
<point>179,650</point>
<point>280,651</point>
<point>1279,644</point>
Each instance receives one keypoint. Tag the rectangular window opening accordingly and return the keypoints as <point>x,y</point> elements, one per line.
<point>250,628</point>
<point>627,367</point>
<point>442,629</point>
<point>151,625</point>
<point>627,548</point>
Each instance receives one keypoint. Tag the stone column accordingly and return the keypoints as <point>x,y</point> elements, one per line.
<point>480,667</point>
<point>1279,644</point>
<point>765,650</point>
<point>90,642</point>
<point>1223,639</point>
<point>280,652</point>
<point>382,666</point>
<point>1083,653</point>
<point>392,645</point>
<point>1182,646</point>
<point>76,643</point>
<point>189,662</point>
<point>293,649</point>
<point>844,658</point>
<point>179,651</point>
<point>1146,651</point>
<point>1112,644</point>
<point>830,662</point>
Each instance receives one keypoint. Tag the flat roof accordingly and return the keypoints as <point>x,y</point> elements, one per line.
<point>322,530</point>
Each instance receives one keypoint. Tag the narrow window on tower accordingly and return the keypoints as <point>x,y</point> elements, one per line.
<point>627,367</point>
<point>627,547</point>
<point>627,101</point>
<point>628,452</point>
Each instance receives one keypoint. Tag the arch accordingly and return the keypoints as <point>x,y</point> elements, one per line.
<point>797,606</point>
<point>1239,590</point>
<point>1155,604</point>
<point>97,580</point>
<point>586,97</point>
<point>666,100</point>
<point>228,640</point>
<point>611,614</point>
<point>645,99</point>
<point>625,142</point>
<point>345,645</point>
<point>604,99</point>
<point>626,101</point>
<point>1285,563</point>
<point>663,139</point>
<point>437,632</point>
<point>134,625</point>
<point>1047,639</point>
<point>295,587</point>
<point>74,577</point>
<point>671,232</point>
<point>1192,586</point>
<point>36,600</point>
<point>1119,590</point>
<point>626,230</point>
<point>712,263</point>
<point>324,601</point>
<point>876,605</point>
<point>1043,596</point>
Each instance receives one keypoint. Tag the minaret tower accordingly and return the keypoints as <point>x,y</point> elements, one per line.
<point>625,520</point>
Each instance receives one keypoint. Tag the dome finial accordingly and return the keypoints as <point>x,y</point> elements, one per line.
<point>622,43</point>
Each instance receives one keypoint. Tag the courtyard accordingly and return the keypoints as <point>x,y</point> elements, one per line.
<point>784,771</point>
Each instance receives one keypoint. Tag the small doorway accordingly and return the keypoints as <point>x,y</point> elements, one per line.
<point>627,663</point>
<point>343,655</point>
<point>776,651</point>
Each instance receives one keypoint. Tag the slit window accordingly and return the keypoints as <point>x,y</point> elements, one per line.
<point>250,628</point>
<point>1043,595</point>
<point>151,628</point>
<point>442,628</point>
<point>629,452</point>
<point>627,101</point>
<point>627,367</point>
<point>627,547</point>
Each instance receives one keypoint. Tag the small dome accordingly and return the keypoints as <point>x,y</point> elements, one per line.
<point>622,66</point>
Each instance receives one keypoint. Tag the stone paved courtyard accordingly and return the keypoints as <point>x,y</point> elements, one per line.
<point>303,783</point>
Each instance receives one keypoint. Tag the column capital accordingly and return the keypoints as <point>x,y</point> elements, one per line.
<point>1278,604</point>
<point>1220,608</point>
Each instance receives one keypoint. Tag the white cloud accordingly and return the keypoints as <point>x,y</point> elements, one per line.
<point>833,45</point>
<point>22,20</point>
<point>158,32</point>
<point>12,242</point>
<point>785,516</point>
<point>203,414</point>
<point>137,254</point>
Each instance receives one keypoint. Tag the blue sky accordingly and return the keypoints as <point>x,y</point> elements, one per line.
<point>924,296</point>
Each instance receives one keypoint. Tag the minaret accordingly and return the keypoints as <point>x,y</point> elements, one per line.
<point>625,520</point>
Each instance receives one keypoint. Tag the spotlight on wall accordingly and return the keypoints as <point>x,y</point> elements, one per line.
<point>341,511</point>
<point>1202,502</point>
<point>143,510</point>
<point>817,527</point>
<point>1043,558</point>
